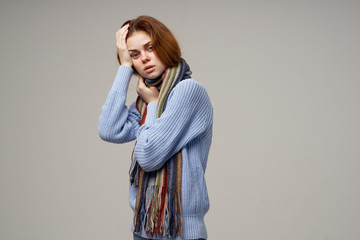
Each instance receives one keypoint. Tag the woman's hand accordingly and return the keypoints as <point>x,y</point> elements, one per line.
<point>121,46</point>
<point>148,93</point>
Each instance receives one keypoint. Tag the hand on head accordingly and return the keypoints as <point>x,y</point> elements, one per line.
<point>121,46</point>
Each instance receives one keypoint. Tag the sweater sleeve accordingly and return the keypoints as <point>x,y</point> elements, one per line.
<point>117,122</point>
<point>188,114</point>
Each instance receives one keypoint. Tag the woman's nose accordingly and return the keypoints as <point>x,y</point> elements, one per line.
<point>144,58</point>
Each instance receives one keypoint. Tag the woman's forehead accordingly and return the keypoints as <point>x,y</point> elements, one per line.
<point>138,39</point>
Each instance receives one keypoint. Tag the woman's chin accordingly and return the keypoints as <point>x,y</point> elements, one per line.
<point>151,75</point>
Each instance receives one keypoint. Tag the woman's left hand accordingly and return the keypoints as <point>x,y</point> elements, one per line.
<point>148,93</point>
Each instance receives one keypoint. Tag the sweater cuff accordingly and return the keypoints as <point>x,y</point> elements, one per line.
<point>122,79</point>
<point>151,113</point>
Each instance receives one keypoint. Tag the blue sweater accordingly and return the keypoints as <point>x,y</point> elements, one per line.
<point>186,124</point>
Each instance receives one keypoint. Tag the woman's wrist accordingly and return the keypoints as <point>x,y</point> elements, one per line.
<point>126,64</point>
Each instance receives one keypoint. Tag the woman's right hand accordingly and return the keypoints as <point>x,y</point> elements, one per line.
<point>121,46</point>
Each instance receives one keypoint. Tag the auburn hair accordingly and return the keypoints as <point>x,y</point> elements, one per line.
<point>164,44</point>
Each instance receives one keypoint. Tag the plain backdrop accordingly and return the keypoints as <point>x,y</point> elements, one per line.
<point>283,77</point>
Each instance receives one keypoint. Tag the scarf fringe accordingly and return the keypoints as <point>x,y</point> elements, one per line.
<point>160,211</point>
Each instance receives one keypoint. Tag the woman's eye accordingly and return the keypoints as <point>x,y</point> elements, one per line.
<point>150,48</point>
<point>134,55</point>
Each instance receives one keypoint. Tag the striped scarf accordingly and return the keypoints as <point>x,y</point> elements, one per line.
<point>158,201</point>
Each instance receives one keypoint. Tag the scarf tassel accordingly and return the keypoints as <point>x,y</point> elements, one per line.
<point>160,215</point>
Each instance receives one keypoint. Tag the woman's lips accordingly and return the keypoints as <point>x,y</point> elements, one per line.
<point>149,69</point>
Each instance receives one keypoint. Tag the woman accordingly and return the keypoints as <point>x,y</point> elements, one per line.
<point>171,121</point>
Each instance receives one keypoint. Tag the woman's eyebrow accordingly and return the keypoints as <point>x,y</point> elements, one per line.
<point>147,44</point>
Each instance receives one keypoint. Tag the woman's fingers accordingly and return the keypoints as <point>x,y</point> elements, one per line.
<point>148,93</point>
<point>121,45</point>
<point>121,36</point>
<point>141,85</point>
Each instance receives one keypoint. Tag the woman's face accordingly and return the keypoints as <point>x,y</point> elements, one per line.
<point>146,63</point>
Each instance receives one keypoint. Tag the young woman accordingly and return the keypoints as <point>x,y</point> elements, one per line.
<point>171,121</point>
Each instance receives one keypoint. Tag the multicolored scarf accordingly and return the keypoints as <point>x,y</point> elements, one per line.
<point>158,202</point>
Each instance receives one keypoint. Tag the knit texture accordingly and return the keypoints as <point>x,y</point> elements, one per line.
<point>186,125</point>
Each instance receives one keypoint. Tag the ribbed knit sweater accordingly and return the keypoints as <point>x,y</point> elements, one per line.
<point>186,125</point>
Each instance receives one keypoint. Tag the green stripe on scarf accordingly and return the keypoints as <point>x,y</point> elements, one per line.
<point>167,85</point>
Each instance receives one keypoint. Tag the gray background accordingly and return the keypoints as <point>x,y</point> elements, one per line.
<point>283,77</point>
